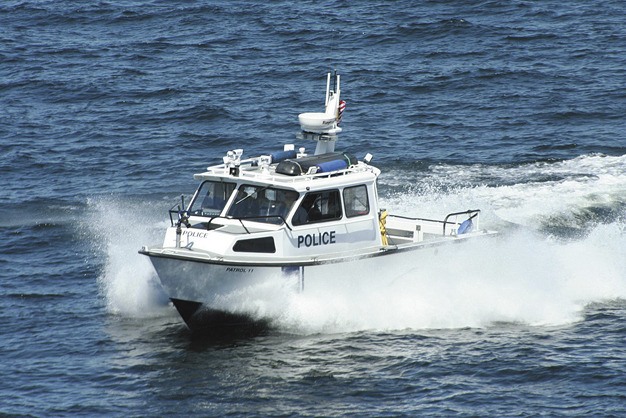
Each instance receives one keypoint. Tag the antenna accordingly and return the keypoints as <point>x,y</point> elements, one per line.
<point>324,127</point>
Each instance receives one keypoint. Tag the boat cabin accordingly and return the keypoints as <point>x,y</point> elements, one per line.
<point>275,204</point>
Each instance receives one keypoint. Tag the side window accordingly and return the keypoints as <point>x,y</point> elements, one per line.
<point>318,207</point>
<point>356,201</point>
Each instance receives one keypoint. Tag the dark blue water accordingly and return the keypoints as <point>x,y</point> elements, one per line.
<point>107,108</point>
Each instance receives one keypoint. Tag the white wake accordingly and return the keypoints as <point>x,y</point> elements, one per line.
<point>527,275</point>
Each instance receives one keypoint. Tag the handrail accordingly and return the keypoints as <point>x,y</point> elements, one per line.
<point>467,212</point>
<point>284,179</point>
<point>416,219</point>
<point>445,222</point>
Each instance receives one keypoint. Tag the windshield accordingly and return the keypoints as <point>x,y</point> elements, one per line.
<point>264,204</point>
<point>211,198</point>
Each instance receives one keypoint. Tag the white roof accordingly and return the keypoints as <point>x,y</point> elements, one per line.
<point>254,174</point>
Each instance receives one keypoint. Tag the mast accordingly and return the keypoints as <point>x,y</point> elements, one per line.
<point>324,127</point>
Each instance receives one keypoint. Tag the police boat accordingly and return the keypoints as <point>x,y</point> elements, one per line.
<point>290,217</point>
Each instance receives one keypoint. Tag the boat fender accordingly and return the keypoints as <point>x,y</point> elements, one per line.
<point>465,227</point>
<point>279,156</point>
<point>300,166</point>
<point>382,221</point>
<point>329,166</point>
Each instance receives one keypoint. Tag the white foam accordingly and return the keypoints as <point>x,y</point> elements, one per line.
<point>526,195</point>
<point>128,280</point>
<point>523,276</point>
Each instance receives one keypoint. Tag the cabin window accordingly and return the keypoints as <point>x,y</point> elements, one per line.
<point>255,245</point>
<point>211,198</point>
<point>262,203</point>
<point>318,207</point>
<point>356,201</point>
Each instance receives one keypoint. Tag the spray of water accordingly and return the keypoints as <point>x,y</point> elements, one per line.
<point>529,274</point>
<point>128,282</point>
<point>519,278</point>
